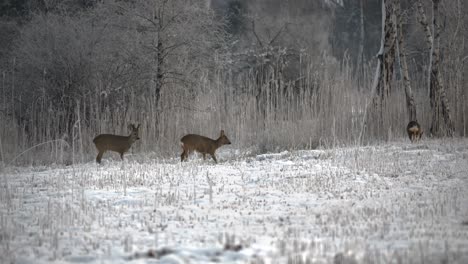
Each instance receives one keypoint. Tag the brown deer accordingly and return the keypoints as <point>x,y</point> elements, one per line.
<point>120,144</point>
<point>414,131</point>
<point>202,145</point>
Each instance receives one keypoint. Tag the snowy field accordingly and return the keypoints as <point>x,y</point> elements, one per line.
<point>391,203</point>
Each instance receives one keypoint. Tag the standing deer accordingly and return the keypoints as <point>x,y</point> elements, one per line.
<point>120,144</point>
<point>414,131</point>
<point>202,145</point>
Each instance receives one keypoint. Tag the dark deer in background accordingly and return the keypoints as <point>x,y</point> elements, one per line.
<point>120,144</point>
<point>202,145</point>
<point>414,131</point>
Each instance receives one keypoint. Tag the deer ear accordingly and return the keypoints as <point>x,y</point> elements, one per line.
<point>222,132</point>
<point>130,127</point>
<point>138,126</point>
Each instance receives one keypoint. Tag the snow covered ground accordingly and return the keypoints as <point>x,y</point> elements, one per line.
<point>391,203</point>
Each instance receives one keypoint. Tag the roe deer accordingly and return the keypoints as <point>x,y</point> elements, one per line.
<point>120,144</point>
<point>414,131</point>
<point>202,144</point>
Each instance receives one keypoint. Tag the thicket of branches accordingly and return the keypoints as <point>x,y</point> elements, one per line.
<point>74,69</point>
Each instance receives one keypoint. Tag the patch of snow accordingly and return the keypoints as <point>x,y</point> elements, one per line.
<point>356,204</point>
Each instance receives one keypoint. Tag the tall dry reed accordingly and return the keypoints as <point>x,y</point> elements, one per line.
<point>324,107</point>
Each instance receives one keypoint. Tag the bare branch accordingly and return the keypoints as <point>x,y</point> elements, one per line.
<point>423,21</point>
<point>255,34</point>
<point>278,33</point>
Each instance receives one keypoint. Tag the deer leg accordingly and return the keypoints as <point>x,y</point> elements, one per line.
<point>99,157</point>
<point>214,158</point>
<point>204,156</point>
<point>121,155</point>
<point>184,155</point>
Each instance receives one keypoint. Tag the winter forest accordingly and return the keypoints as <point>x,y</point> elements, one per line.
<point>316,162</point>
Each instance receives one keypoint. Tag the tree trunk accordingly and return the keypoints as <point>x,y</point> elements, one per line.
<point>438,97</point>
<point>390,45</point>
<point>159,71</point>
<point>386,55</point>
<point>377,82</point>
<point>360,55</point>
<point>386,58</point>
<point>411,106</point>
<point>159,54</point>
<point>423,21</point>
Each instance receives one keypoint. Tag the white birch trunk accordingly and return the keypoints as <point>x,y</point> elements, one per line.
<point>411,106</point>
<point>386,58</point>
<point>423,21</point>
<point>378,70</point>
<point>439,101</point>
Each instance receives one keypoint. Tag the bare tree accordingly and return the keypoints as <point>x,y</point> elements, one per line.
<point>386,57</point>
<point>438,95</point>
<point>114,51</point>
<point>441,122</point>
<point>410,104</point>
<point>360,55</point>
<point>179,38</point>
<point>386,54</point>
<point>423,21</point>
